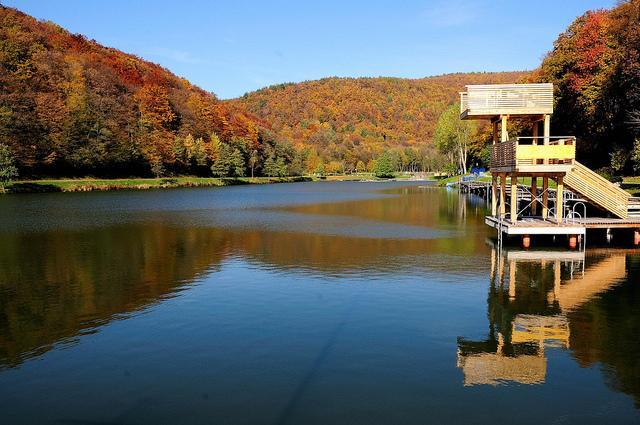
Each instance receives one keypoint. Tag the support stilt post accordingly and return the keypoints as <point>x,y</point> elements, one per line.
<point>514,198</point>
<point>512,279</point>
<point>494,194</point>
<point>560,200</point>
<point>547,129</point>
<point>503,194</point>
<point>545,197</point>
<point>503,128</point>
<point>534,195</point>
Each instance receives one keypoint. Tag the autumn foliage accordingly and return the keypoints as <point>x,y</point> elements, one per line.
<point>351,120</point>
<point>69,106</point>
<point>595,67</point>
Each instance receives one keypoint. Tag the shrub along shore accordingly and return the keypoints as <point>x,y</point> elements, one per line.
<point>93,184</point>
<point>89,184</point>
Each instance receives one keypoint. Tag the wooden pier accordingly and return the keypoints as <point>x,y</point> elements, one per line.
<point>538,209</point>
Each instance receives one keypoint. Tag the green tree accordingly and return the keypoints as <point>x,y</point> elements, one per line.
<point>8,170</point>
<point>635,156</point>
<point>275,167</point>
<point>253,160</point>
<point>384,167</point>
<point>453,136</point>
<point>228,163</point>
<point>236,162</point>
<point>222,164</point>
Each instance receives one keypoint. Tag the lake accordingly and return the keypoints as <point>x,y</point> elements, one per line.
<point>304,303</point>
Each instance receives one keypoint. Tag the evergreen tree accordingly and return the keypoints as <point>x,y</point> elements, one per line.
<point>221,165</point>
<point>8,170</point>
<point>236,163</point>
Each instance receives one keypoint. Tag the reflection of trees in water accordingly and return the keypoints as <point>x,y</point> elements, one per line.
<point>607,330</point>
<point>56,285</point>
<point>537,302</point>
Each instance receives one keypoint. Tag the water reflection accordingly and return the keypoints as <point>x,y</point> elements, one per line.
<point>562,300</point>
<point>312,303</point>
<point>63,278</point>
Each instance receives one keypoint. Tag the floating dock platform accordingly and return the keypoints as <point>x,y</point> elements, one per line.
<point>519,205</point>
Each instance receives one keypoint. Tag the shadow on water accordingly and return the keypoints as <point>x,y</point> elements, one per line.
<point>584,302</point>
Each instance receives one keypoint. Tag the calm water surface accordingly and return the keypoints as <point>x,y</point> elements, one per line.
<point>311,303</point>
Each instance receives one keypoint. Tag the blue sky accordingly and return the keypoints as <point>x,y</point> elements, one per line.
<point>231,47</point>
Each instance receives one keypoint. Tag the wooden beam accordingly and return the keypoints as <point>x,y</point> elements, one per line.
<point>494,194</point>
<point>545,197</point>
<point>512,279</point>
<point>536,128</point>
<point>547,128</point>
<point>556,278</point>
<point>534,195</point>
<point>560,200</point>
<point>495,132</point>
<point>503,194</point>
<point>514,198</point>
<point>503,128</point>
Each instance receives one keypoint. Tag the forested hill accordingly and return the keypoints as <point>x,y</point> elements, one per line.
<point>595,68</point>
<point>71,106</point>
<point>359,117</point>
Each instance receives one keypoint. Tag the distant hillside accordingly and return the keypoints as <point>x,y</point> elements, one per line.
<point>346,118</point>
<point>71,106</point>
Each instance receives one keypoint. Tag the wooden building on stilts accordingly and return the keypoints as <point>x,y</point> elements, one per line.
<point>523,168</point>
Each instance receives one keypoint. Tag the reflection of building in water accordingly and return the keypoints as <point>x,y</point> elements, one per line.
<point>530,294</point>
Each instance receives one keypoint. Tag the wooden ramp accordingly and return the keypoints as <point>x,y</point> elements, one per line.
<point>598,190</point>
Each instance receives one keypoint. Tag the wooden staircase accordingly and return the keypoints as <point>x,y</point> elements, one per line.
<point>602,192</point>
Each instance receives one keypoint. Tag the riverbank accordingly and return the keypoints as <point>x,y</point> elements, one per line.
<point>91,184</point>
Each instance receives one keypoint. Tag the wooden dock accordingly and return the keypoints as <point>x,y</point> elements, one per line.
<point>532,209</point>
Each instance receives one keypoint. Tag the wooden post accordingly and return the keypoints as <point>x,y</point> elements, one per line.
<point>536,127</point>
<point>493,267</point>
<point>560,200</point>
<point>512,279</point>
<point>503,128</point>
<point>547,133</point>
<point>503,194</point>
<point>545,197</point>
<point>547,129</point>
<point>514,198</point>
<point>495,132</point>
<point>556,278</point>
<point>494,194</point>
<point>534,195</point>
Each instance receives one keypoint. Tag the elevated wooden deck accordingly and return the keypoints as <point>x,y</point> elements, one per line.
<point>534,155</point>
<point>493,100</point>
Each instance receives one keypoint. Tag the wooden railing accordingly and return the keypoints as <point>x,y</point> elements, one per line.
<point>597,189</point>
<point>493,99</point>
<point>523,152</point>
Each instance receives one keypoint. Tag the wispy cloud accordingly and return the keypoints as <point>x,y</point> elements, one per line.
<point>451,13</point>
<point>175,55</point>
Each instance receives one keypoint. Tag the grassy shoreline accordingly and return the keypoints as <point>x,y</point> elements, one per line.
<point>93,184</point>
<point>90,184</point>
